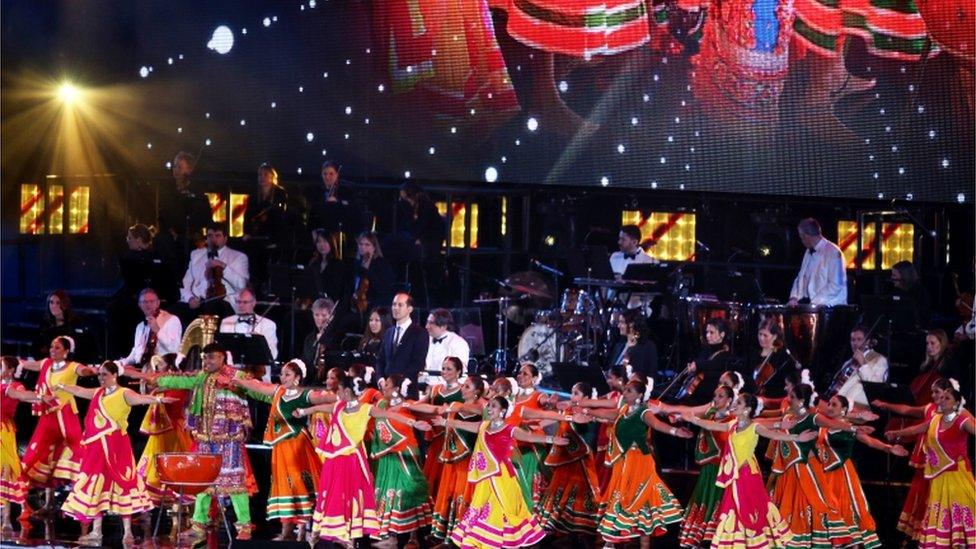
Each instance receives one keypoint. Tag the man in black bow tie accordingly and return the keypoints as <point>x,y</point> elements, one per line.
<point>630,251</point>
<point>246,322</point>
<point>443,343</point>
<point>822,279</point>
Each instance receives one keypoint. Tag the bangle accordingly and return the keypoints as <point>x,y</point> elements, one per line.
<point>549,440</point>
<point>673,431</point>
<point>778,425</point>
<point>159,399</point>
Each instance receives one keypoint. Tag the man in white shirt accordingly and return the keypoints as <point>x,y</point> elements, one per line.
<point>159,334</point>
<point>871,366</point>
<point>443,343</point>
<point>822,279</point>
<point>246,322</point>
<point>630,251</point>
<point>216,255</point>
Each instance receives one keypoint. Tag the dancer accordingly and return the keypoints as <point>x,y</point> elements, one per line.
<point>402,495</point>
<point>528,460</point>
<point>570,504</point>
<point>13,489</point>
<point>345,509</point>
<point>318,422</point>
<point>913,511</point>
<point>952,492</point>
<point>294,463</point>
<point>637,503</point>
<point>745,516</point>
<point>497,515</point>
<point>438,396</point>
<point>220,422</point>
<point>55,447</point>
<point>834,449</point>
<point>107,483</point>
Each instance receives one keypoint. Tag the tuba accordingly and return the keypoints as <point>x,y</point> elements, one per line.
<point>198,335</point>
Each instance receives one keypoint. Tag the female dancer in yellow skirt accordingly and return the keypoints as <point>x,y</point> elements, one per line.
<point>913,511</point>
<point>497,516</point>
<point>637,503</point>
<point>165,424</point>
<point>108,482</point>
<point>834,448</point>
<point>294,464</point>
<point>745,517</point>
<point>345,509</point>
<point>13,489</point>
<point>571,501</point>
<point>951,504</point>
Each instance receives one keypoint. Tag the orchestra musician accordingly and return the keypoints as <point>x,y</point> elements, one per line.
<point>379,320</point>
<point>264,223</point>
<point>331,208</point>
<point>327,272</point>
<point>213,277</point>
<point>247,322</point>
<point>443,343</point>
<point>712,361</point>
<point>771,363</point>
<point>630,251</point>
<point>159,334</point>
<point>938,363</point>
<point>60,320</point>
<point>635,348</point>
<point>865,364</point>
<point>183,212</point>
<point>372,281</point>
<point>822,279</point>
<point>906,285</point>
<point>318,342</point>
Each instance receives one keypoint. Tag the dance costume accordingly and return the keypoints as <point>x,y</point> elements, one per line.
<point>707,494</point>
<point>834,450</point>
<point>745,517</point>
<point>13,489</point>
<point>637,502</point>
<point>435,437</point>
<point>55,447</point>
<point>346,505</point>
<point>497,516</point>
<point>951,505</point>
<point>107,483</point>
<point>528,459</point>
<point>402,496</point>
<point>294,463</point>
<point>913,511</point>
<point>603,436</point>
<point>164,423</point>
<point>796,487</point>
<point>453,490</point>
<point>571,502</point>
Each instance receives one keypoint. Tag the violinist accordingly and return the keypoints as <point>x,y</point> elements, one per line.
<point>327,272</point>
<point>331,208</point>
<point>158,334</point>
<point>865,364</point>
<point>771,362</point>
<point>636,348</point>
<point>215,274</point>
<point>938,363</point>
<point>183,212</point>
<point>372,281</point>
<point>713,359</point>
<point>321,340</point>
<point>264,222</point>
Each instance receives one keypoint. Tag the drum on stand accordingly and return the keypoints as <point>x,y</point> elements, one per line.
<point>699,309</point>
<point>541,344</point>
<point>816,336</point>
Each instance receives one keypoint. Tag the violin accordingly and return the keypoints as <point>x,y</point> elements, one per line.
<point>359,299</point>
<point>964,300</point>
<point>762,374</point>
<point>215,277</point>
<point>690,385</point>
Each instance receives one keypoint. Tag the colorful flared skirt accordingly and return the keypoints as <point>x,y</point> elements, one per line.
<point>807,508</point>
<point>570,504</point>
<point>844,485</point>
<point>637,502</point>
<point>916,503</point>
<point>451,500</point>
<point>108,482</point>
<point>346,504</point>
<point>294,479</point>
<point>949,519</point>
<point>432,465</point>
<point>497,516</point>
<point>701,507</point>
<point>529,471</point>
<point>12,485</point>
<point>746,518</point>
<point>54,450</point>
<point>403,502</point>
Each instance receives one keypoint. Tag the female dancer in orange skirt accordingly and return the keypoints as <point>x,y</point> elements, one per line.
<point>403,499</point>
<point>571,501</point>
<point>951,504</point>
<point>453,491</point>
<point>108,482</point>
<point>13,489</point>
<point>438,396</point>
<point>616,380</point>
<point>55,447</point>
<point>497,516</point>
<point>294,464</point>
<point>637,503</point>
<point>345,509</point>
<point>165,424</point>
<point>834,448</point>
<point>913,511</point>
<point>745,516</point>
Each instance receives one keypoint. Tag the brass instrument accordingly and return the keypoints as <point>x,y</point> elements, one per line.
<point>198,335</point>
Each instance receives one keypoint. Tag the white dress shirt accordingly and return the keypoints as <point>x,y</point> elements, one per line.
<point>822,276</point>
<point>874,370</point>
<point>619,261</point>
<point>451,345</point>
<point>167,338</point>
<point>236,274</point>
<point>237,324</point>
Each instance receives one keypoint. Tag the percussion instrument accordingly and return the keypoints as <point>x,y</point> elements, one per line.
<point>189,473</point>
<point>699,309</point>
<point>814,334</point>
<point>541,345</point>
<point>577,308</point>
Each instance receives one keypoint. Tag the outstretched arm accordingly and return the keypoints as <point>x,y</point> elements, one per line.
<point>255,386</point>
<point>471,426</point>
<point>24,396</point>
<point>76,390</point>
<point>84,370</point>
<point>322,397</point>
<point>29,364</point>
<point>707,424</point>
<point>677,409</point>
<point>653,422</point>
<point>916,429</point>
<point>893,449</point>
<point>900,409</point>
<point>324,408</point>
<point>376,411</point>
<point>525,436</point>
<point>530,413</point>
<point>774,434</point>
<point>135,399</point>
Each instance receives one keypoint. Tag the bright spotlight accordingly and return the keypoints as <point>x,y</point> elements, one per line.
<point>68,93</point>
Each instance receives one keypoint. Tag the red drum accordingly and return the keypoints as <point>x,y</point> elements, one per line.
<point>699,309</point>
<point>188,473</point>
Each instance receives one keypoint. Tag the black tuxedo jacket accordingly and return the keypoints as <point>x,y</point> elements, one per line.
<point>408,358</point>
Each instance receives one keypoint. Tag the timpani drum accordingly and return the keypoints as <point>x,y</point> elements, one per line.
<point>816,336</point>
<point>699,309</point>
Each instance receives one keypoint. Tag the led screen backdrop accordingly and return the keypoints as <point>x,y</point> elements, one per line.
<point>849,98</point>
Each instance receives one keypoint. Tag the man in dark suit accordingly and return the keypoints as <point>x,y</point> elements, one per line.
<point>404,347</point>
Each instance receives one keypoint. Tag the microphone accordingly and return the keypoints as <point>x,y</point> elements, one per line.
<point>542,266</point>
<point>703,246</point>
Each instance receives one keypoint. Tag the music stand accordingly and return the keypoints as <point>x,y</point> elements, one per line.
<point>645,272</point>
<point>247,349</point>
<point>896,393</point>
<point>570,373</point>
<point>901,313</point>
<point>590,262</point>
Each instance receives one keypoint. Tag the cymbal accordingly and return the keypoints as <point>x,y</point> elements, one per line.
<point>530,291</point>
<point>531,284</point>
